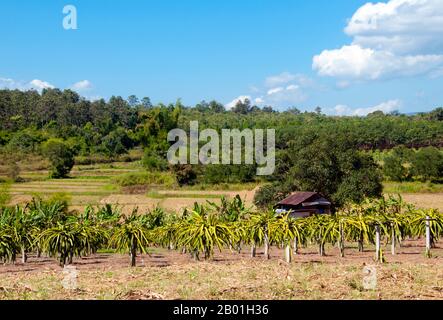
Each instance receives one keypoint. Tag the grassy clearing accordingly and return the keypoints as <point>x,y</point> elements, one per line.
<point>5,195</point>
<point>223,187</point>
<point>412,187</point>
<point>164,179</point>
<point>187,195</point>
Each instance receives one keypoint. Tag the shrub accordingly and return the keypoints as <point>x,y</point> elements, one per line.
<point>428,163</point>
<point>60,156</point>
<point>13,172</point>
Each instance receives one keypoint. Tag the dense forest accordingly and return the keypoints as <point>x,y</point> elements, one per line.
<point>329,154</point>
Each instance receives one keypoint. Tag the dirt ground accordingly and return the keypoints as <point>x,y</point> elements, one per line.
<point>425,200</point>
<point>168,274</point>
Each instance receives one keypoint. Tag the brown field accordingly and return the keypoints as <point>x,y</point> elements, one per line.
<point>425,200</point>
<point>171,275</point>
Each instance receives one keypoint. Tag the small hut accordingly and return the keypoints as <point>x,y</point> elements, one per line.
<point>304,204</point>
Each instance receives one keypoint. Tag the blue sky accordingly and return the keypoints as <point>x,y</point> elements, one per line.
<point>280,52</point>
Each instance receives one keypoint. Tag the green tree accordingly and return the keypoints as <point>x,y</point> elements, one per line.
<point>131,236</point>
<point>330,165</point>
<point>428,163</point>
<point>436,114</point>
<point>133,100</point>
<point>396,165</point>
<point>185,174</point>
<point>146,103</point>
<point>242,107</point>
<point>203,231</point>
<point>60,156</point>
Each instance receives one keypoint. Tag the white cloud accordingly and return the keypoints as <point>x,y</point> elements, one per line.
<point>7,83</point>
<point>259,100</point>
<point>83,85</point>
<point>292,87</point>
<point>274,91</point>
<point>280,79</point>
<point>355,62</point>
<point>342,110</point>
<point>40,84</point>
<point>386,107</point>
<point>232,104</point>
<point>284,89</point>
<point>289,95</point>
<point>394,39</point>
<point>399,26</point>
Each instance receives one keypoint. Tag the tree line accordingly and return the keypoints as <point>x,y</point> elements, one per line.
<point>114,126</point>
<point>403,164</point>
<point>314,152</point>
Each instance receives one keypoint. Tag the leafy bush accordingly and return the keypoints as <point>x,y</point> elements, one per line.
<point>23,141</point>
<point>428,163</point>
<point>397,165</point>
<point>60,156</point>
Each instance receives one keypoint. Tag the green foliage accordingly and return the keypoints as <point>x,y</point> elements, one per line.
<point>117,142</point>
<point>106,129</point>
<point>4,193</point>
<point>214,174</point>
<point>428,163</point>
<point>330,165</point>
<point>152,160</point>
<point>412,187</point>
<point>185,174</point>
<point>153,218</point>
<point>25,141</point>
<point>397,164</point>
<point>60,156</point>
<point>258,227</point>
<point>130,236</point>
<point>146,178</point>
<point>284,229</point>
<point>201,232</point>
<point>270,194</point>
<point>49,228</point>
<point>230,211</point>
<point>436,115</point>
<point>9,248</point>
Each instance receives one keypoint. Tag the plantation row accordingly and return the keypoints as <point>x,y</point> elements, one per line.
<point>48,228</point>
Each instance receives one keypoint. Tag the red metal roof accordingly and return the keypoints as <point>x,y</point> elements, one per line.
<point>297,198</point>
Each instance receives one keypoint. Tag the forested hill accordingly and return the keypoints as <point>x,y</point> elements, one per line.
<point>27,119</point>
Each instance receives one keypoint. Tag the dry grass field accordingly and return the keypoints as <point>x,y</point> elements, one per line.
<point>425,200</point>
<point>94,185</point>
<point>171,275</point>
